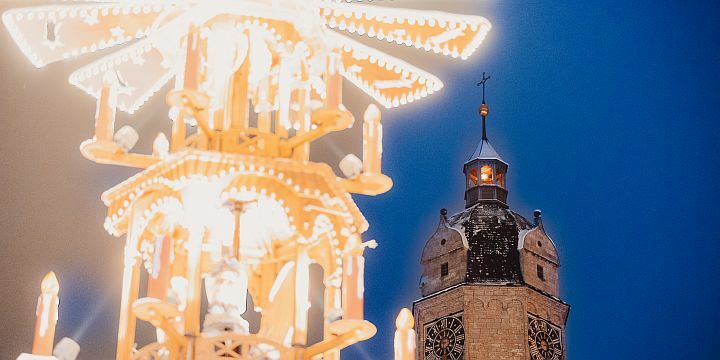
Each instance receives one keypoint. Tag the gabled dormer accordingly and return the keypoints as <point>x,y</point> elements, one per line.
<point>444,258</point>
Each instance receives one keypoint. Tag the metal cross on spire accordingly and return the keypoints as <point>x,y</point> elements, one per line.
<point>483,107</point>
<point>482,82</point>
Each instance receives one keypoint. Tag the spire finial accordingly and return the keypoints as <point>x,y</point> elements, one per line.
<point>483,108</point>
<point>482,82</point>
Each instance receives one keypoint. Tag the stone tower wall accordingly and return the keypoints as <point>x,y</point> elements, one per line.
<point>495,318</point>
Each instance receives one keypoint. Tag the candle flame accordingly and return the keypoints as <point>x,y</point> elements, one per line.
<point>50,285</point>
<point>405,320</point>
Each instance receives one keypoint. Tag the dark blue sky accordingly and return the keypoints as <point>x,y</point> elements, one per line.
<point>606,112</point>
<point>608,115</point>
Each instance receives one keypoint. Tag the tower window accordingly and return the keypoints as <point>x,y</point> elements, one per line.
<point>541,273</point>
<point>486,174</point>
<point>444,270</point>
<point>501,179</point>
<point>472,178</point>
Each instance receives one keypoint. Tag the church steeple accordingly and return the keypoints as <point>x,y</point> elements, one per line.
<point>485,172</point>
<point>490,285</point>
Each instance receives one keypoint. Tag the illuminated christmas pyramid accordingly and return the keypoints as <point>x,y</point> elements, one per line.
<point>232,198</point>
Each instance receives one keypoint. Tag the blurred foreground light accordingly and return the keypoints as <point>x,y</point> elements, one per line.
<point>161,146</point>
<point>405,346</point>
<point>351,166</point>
<point>35,357</point>
<point>126,137</point>
<point>66,349</point>
<point>49,284</point>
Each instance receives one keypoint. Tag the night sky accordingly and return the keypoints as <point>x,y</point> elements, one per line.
<point>606,112</point>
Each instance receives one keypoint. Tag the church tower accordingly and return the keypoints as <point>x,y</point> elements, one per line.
<point>490,277</point>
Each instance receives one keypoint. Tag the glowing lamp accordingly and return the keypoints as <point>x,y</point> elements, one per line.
<point>66,349</point>
<point>351,166</point>
<point>484,110</point>
<point>126,137</point>
<point>473,177</point>
<point>486,175</point>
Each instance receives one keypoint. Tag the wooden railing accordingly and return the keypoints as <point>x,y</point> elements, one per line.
<point>222,347</point>
<point>154,351</point>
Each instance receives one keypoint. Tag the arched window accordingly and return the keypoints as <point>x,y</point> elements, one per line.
<point>486,174</point>
<point>541,273</point>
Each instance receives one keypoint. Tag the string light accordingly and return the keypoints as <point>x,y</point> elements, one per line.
<point>159,28</point>
<point>208,192</point>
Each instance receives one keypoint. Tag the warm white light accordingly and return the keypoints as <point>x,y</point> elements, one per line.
<point>405,336</point>
<point>294,30</point>
<point>66,349</point>
<point>227,289</point>
<point>238,196</point>
<point>351,166</point>
<point>126,137</point>
<point>161,146</point>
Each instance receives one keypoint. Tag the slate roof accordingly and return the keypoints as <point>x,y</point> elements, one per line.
<point>492,235</point>
<point>485,151</point>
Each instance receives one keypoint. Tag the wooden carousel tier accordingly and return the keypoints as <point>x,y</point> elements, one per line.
<point>302,186</point>
<point>160,314</point>
<point>343,333</point>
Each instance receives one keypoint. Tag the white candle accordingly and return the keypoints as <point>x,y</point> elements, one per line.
<point>47,315</point>
<point>405,336</point>
<point>372,140</point>
<point>105,114</point>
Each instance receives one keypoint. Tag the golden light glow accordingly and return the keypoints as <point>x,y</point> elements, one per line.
<point>284,60</point>
<point>486,174</point>
<point>46,315</point>
<point>473,177</point>
<point>156,29</point>
<point>405,320</point>
<point>405,348</point>
<point>50,285</point>
<point>501,178</point>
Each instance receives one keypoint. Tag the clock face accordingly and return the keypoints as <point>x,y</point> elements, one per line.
<point>544,340</point>
<point>445,338</point>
